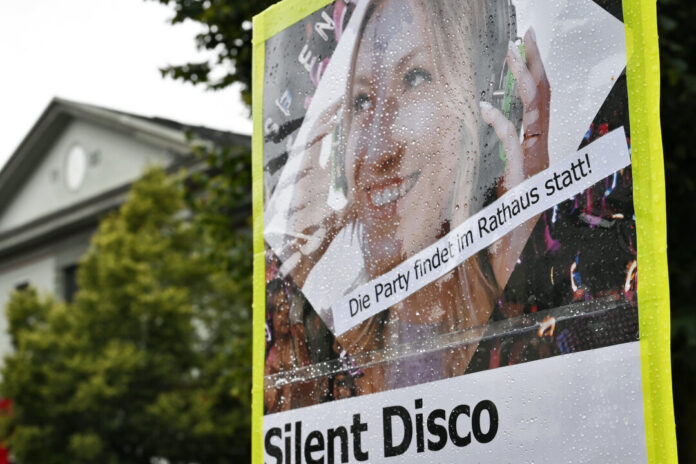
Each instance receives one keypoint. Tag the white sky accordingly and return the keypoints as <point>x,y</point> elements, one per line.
<point>102,52</point>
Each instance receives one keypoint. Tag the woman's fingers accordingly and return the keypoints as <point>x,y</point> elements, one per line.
<point>527,157</point>
<point>526,85</point>
<point>530,155</point>
<point>324,124</point>
<point>536,112</point>
<point>534,63</point>
<point>507,133</point>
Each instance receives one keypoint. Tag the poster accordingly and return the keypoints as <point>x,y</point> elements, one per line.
<point>452,206</point>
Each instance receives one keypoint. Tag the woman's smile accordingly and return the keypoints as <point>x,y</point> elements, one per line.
<point>389,191</point>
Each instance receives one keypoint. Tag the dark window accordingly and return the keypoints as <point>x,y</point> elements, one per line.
<point>22,286</point>
<point>69,282</point>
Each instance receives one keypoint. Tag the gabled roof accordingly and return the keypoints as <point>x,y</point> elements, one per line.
<point>170,134</point>
<point>176,138</point>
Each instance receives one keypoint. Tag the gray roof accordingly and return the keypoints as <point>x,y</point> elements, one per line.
<point>175,137</point>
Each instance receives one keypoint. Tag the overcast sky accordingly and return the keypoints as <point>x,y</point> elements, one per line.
<point>103,52</point>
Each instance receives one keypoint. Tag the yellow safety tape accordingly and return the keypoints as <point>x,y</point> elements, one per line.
<point>643,75</point>
<point>265,26</point>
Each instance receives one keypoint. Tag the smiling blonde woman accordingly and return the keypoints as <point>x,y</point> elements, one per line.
<point>417,142</point>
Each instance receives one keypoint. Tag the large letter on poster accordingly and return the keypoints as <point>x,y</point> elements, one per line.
<point>452,203</point>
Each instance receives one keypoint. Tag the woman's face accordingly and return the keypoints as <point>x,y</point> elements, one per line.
<point>407,137</point>
<point>281,315</point>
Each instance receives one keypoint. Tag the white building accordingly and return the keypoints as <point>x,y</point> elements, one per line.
<point>75,165</point>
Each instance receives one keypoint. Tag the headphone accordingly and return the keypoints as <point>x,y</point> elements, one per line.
<point>502,87</point>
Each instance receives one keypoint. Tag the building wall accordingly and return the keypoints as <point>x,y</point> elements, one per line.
<point>113,158</point>
<point>42,268</point>
<point>38,271</point>
<point>115,155</point>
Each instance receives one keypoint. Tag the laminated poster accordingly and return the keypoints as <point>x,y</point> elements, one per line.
<point>459,233</point>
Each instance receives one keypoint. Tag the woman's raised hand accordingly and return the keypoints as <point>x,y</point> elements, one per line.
<point>530,155</point>
<point>525,157</point>
<point>312,222</point>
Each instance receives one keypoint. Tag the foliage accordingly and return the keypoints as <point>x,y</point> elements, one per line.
<point>226,36</point>
<point>150,360</point>
<point>220,196</point>
<point>678,112</point>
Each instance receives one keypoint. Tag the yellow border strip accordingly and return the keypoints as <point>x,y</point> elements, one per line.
<point>283,15</point>
<point>259,277</point>
<point>266,25</point>
<point>643,75</point>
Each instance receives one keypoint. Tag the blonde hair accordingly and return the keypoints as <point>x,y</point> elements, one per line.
<point>481,34</point>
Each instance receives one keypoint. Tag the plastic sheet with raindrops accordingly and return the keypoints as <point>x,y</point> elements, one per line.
<point>450,237</point>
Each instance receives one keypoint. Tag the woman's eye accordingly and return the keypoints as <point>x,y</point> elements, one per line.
<point>362,102</point>
<point>416,77</point>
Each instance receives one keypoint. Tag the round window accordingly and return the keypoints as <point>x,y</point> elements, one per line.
<point>76,167</point>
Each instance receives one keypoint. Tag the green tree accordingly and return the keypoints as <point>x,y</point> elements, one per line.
<point>226,35</point>
<point>151,359</point>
